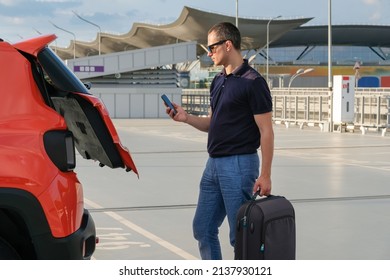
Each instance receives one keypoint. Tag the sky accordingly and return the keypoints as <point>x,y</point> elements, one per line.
<point>23,19</point>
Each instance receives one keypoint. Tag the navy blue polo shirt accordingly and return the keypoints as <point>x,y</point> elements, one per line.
<point>234,100</point>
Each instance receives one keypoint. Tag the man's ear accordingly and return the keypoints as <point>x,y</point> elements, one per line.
<point>229,45</point>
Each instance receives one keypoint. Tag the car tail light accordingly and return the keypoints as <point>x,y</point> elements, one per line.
<point>59,145</point>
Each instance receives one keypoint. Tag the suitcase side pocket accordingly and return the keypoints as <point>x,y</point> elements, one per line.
<point>278,240</point>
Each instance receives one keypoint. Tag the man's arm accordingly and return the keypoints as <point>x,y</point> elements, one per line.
<point>264,122</point>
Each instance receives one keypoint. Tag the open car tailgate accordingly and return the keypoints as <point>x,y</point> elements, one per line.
<point>85,115</point>
<point>94,133</point>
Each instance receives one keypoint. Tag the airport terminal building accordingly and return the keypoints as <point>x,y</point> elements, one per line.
<point>293,44</point>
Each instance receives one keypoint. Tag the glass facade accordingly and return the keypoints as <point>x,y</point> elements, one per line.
<point>318,55</point>
<point>373,64</point>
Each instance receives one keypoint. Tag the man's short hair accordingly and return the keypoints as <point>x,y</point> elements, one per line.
<point>227,31</point>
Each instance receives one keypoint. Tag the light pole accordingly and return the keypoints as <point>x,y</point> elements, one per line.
<point>74,37</point>
<point>267,68</point>
<point>94,24</point>
<point>299,72</point>
<point>237,13</point>
<point>36,30</point>
<point>330,78</point>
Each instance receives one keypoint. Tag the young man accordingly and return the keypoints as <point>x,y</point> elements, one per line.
<point>240,121</point>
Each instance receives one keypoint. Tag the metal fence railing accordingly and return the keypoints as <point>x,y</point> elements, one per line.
<point>372,110</point>
<point>308,105</point>
<point>196,102</point>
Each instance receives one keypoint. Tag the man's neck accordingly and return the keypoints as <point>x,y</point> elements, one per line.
<point>233,64</point>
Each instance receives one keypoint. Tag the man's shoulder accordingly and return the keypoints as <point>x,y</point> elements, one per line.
<point>249,72</point>
<point>252,74</point>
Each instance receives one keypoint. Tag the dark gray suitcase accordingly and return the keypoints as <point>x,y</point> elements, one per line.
<point>265,229</point>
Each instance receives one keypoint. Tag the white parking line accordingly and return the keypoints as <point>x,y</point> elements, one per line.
<point>169,246</point>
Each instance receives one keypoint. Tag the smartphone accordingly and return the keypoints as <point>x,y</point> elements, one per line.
<point>168,103</point>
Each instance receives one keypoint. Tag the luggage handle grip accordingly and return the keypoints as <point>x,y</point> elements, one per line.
<point>257,193</point>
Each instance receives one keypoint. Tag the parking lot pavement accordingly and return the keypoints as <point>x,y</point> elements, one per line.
<point>337,182</point>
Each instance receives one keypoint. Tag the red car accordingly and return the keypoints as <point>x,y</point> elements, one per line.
<point>46,113</point>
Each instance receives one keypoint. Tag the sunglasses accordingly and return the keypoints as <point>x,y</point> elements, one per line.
<point>211,47</point>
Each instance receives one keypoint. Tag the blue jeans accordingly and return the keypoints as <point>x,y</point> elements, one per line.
<point>227,182</point>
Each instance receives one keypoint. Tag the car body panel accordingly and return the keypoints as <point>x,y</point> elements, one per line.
<point>41,199</point>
